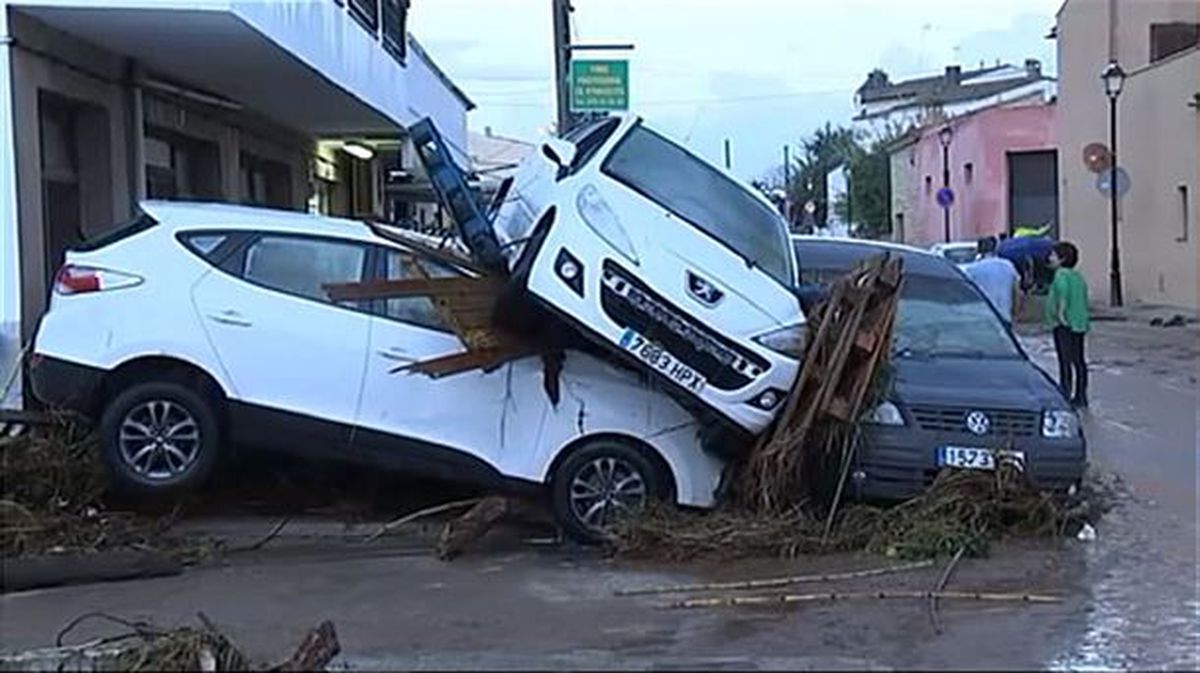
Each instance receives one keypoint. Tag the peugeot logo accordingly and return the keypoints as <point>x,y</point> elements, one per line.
<point>703,291</point>
<point>978,423</point>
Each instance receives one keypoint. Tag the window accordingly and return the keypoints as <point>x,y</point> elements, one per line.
<point>1167,39</point>
<point>1183,212</point>
<point>416,310</point>
<point>668,175</point>
<point>937,316</point>
<point>303,266</point>
<point>588,140</point>
<point>395,16</point>
<point>366,12</point>
<point>928,184</point>
<point>968,172</point>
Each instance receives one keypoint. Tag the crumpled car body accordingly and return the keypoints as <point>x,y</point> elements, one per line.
<point>668,262</point>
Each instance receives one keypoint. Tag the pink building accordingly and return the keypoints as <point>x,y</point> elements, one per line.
<point>1003,171</point>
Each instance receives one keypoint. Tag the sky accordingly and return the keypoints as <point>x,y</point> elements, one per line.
<point>762,73</point>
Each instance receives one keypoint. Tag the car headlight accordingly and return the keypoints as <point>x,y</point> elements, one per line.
<point>787,340</point>
<point>1060,424</point>
<point>596,214</point>
<point>885,413</point>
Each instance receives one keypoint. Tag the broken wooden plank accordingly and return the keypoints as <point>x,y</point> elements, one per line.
<point>413,287</point>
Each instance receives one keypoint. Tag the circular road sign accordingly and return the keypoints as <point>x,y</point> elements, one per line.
<point>945,197</point>
<point>1096,157</point>
<point>1104,182</point>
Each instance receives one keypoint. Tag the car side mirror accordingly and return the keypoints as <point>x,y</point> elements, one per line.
<point>560,153</point>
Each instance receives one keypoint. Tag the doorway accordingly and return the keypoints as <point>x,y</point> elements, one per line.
<point>1033,191</point>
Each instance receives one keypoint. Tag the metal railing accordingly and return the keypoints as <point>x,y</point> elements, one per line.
<point>385,20</point>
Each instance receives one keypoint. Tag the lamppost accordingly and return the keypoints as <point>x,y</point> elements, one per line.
<point>945,136</point>
<point>1114,79</point>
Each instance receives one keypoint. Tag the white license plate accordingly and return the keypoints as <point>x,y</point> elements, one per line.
<point>658,358</point>
<point>976,458</point>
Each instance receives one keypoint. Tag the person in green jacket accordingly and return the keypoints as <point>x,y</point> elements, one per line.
<point>1067,314</point>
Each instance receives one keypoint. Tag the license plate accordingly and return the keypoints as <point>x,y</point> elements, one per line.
<point>659,359</point>
<point>976,458</point>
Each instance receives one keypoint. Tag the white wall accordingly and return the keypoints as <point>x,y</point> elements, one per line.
<point>10,255</point>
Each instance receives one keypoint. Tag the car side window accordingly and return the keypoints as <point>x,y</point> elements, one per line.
<point>400,265</point>
<point>301,265</point>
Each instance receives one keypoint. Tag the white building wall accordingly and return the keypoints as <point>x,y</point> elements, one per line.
<point>10,249</point>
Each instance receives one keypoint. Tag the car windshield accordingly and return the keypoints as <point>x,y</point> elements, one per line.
<point>947,317</point>
<point>669,175</point>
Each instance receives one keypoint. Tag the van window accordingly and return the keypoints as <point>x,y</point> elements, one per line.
<point>303,266</point>
<point>670,176</point>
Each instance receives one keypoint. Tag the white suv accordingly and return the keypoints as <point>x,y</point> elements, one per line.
<point>657,255</point>
<point>201,326</point>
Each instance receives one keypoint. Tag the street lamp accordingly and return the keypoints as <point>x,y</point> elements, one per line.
<point>1114,79</point>
<point>945,136</point>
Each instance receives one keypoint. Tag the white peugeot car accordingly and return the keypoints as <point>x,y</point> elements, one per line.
<point>201,326</point>
<point>656,255</point>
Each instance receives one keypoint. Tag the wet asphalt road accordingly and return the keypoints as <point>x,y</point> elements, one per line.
<point>1131,595</point>
<point>1142,572</point>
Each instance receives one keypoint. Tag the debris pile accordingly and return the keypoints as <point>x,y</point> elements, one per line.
<point>786,495</point>
<point>53,484</point>
<point>145,647</point>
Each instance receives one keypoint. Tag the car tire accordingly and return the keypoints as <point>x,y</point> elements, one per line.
<point>597,482</point>
<point>159,438</point>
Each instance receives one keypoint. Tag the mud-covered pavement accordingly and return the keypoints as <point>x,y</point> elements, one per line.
<point>1131,595</point>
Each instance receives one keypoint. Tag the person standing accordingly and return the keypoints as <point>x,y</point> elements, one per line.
<point>1067,314</point>
<point>997,278</point>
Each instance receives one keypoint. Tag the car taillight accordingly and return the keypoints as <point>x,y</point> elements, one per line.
<point>75,279</point>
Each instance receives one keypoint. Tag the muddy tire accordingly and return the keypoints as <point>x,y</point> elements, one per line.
<point>600,482</point>
<point>159,438</point>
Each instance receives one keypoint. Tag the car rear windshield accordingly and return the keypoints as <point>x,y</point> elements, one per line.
<point>670,176</point>
<point>135,226</point>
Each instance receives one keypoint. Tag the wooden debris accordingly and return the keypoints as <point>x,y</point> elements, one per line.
<point>774,581</point>
<point>419,514</point>
<point>469,527</point>
<point>790,599</point>
<point>315,652</point>
<point>941,586</point>
<point>851,340</point>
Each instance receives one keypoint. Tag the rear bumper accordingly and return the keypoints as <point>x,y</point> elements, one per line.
<point>899,463</point>
<point>60,384</point>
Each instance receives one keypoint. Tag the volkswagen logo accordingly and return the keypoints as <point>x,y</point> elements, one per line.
<point>978,423</point>
<point>703,291</point>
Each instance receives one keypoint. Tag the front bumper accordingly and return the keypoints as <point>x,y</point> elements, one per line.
<point>60,384</point>
<point>897,463</point>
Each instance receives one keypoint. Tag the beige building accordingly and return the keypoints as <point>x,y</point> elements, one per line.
<point>1157,43</point>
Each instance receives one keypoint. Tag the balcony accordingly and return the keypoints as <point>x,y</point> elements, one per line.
<point>327,67</point>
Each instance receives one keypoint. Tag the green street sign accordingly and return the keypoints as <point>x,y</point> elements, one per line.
<point>599,86</point>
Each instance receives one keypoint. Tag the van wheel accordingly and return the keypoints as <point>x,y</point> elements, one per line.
<point>601,482</point>
<point>159,438</point>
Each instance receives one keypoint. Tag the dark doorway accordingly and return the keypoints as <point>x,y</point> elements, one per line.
<point>265,182</point>
<point>180,167</point>
<point>1033,191</point>
<point>62,217</point>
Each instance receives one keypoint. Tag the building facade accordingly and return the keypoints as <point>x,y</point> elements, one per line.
<point>1157,42</point>
<point>1002,162</point>
<point>296,104</point>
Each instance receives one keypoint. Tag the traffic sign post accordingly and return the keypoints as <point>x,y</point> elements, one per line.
<point>599,85</point>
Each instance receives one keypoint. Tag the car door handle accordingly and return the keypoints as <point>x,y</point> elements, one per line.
<point>395,354</point>
<point>230,317</point>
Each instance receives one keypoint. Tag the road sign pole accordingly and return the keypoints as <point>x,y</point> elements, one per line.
<point>562,62</point>
<point>1115,297</point>
<point>946,185</point>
